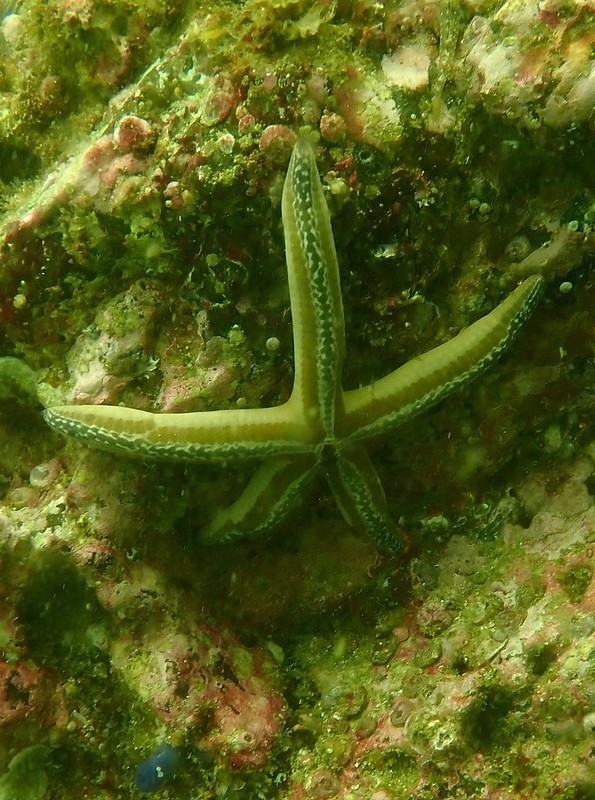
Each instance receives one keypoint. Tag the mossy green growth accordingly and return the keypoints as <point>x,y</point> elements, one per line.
<point>26,778</point>
<point>61,64</point>
<point>576,580</point>
<point>17,382</point>
<point>60,613</point>
<point>487,722</point>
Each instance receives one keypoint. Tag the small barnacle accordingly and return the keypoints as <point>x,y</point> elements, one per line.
<point>401,712</point>
<point>345,702</point>
<point>157,770</point>
<point>324,784</point>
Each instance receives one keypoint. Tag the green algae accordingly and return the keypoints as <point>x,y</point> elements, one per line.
<point>576,580</point>
<point>18,383</point>
<point>26,777</point>
<point>58,611</point>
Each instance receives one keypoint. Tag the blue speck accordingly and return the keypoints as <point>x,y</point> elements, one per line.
<point>158,769</point>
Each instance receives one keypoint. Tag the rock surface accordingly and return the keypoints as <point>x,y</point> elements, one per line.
<point>142,153</point>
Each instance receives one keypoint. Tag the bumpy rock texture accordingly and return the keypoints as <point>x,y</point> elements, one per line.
<point>142,154</point>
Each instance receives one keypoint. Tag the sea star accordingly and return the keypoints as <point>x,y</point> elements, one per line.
<point>321,427</point>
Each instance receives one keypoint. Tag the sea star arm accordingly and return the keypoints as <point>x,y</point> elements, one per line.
<point>315,292</point>
<point>214,436</point>
<point>360,496</point>
<point>270,494</point>
<point>432,376</point>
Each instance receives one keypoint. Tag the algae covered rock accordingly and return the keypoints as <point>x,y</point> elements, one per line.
<point>26,778</point>
<point>143,147</point>
<point>18,383</point>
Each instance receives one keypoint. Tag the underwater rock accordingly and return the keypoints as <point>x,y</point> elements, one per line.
<point>515,655</point>
<point>142,151</point>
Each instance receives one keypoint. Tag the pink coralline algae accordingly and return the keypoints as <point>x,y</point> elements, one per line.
<point>189,676</point>
<point>193,676</point>
<point>333,127</point>
<point>32,699</point>
<point>276,142</point>
<point>105,165</point>
<point>29,694</point>
<point>133,135</point>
